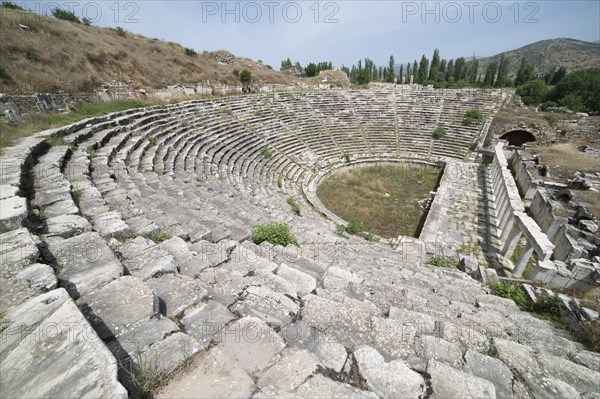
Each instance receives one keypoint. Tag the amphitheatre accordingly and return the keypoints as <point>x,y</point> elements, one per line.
<point>129,266</point>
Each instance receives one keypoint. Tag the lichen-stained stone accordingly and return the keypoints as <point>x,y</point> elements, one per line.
<point>389,380</point>
<point>176,293</point>
<point>12,212</point>
<point>119,304</point>
<point>85,263</point>
<point>50,350</point>
<point>251,343</point>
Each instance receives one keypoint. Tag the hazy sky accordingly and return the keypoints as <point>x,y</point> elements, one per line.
<point>344,31</point>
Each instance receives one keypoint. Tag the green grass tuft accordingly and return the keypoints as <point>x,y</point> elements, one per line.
<point>274,233</point>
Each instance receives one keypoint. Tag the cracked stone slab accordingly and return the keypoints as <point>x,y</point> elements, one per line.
<point>542,386</point>
<point>176,293</point>
<point>337,279</point>
<point>110,224</point>
<point>178,248</point>
<point>66,207</point>
<point>67,226</point>
<point>119,304</point>
<point>212,375</point>
<point>389,380</point>
<point>13,211</point>
<point>222,285</point>
<point>205,323</point>
<point>39,276</point>
<point>251,343</point>
<point>319,386</point>
<point>326,348</point>
<point>490,369</point>
<point>440,350</point>
<point>580,377</point>
<point>139,336</point>
<point>350,321</point>
<point>18,248</point>
<point>302,282</point>
<point>292,368</point>
<point>447,382</point>
<point>85,262</point>
<point>149,261</point>
<point>58,355</point>
<point>170,353</point>
<point>7,191</point>
<point>267,305</point>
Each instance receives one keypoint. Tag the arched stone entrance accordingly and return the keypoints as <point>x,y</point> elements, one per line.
<point>518,137</point>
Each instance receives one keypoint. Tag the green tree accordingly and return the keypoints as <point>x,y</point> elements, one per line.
<point>579,90</point>
<point>435,66</point>
<point>415,71</point>
<point>408,73</point>
<point>423,69</point>
<point>533,92</point>
<point>450,71</point>
<point>286,64</point>
<point>245,76</point>
<point>525,72</point>
<point>490,74</point>
<point>310,70</point>
<point>391,70</point>
<point>460,70</point>
<point>65,15</point>
<point>502,79</point>
<point>473,67</point>
<point>559,75</point>
<point>400,74</point>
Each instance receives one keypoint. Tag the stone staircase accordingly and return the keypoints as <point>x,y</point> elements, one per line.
<point>126,255</point>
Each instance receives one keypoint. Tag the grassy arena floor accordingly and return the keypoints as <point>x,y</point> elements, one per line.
<point>383,197</point>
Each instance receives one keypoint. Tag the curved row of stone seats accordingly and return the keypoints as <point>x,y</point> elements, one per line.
<point>361,309</point>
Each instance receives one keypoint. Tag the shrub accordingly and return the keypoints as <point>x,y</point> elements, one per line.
<point>159,236</point>
<point>510,290</point>
<point>295,206</point>
<point>551,119</point>
<point>355,227</point>
<point>120,31</point>
<point>31,55</point>
<point>10,5</point>
<point>340,230</point>
<point>442,261</point>
<point>274,233</point>
<point>245,76</point>
<point>266,153</point>
<point>549,306</point>
<point>86,21</point>
<point>65,15</point>
<point>533,91</point>
<point>280,181</point>
<point>236,72</point>
<point>346,157</point>
<point>190,52</point>
<point>473,146</point>
<point>472,117</point>
<point>439,133</point>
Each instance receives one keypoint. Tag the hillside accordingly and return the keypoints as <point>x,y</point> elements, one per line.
<point>543,55</point>
<point>44,54</point>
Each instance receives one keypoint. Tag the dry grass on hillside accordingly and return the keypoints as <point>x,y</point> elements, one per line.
<point>568,158</point>
<point>383,197</point>
<point>59,55</point>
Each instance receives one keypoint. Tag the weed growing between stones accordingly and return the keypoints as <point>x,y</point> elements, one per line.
<point>442,261</point>
<point>159,236</point>
<point>510,290</point>
<point>295,206</point>
<point>439,133</point>
<point>145,374</point>
<point>266,153</point>
<point>274,233</point>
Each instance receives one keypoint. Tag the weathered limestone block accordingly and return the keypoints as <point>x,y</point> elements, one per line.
<point>490,369</point>
<point>389,380</point>
<point>66,226</point>
<point>212,375</point>
<point>176,293</point>
<point>270,306</point>
<point>293,367</point>
<point>39,276</point>
<point>119,304</point>
<point>52,351</point>
<point>302,282</point>
<point>252,343</point>
<point>206,322</point>
<point>13,211</point>
<point>319,386</point>
<point>85,263</point>
<point>448,382</point>
<point>18,248</point>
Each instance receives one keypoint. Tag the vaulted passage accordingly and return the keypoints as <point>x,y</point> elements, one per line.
<point>518,137</point>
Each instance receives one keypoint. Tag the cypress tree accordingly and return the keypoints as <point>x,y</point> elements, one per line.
<point>435,66</point>
<point>423,69</point>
